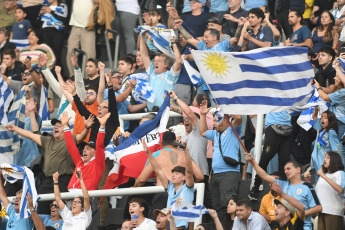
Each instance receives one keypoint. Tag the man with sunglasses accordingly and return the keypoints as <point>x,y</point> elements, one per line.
<point>54,219</point>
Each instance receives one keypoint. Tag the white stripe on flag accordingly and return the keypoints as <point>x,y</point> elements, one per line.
<point>28,187</point>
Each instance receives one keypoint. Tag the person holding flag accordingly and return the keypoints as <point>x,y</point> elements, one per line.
<point>14,222</point>
<point>181,184</point>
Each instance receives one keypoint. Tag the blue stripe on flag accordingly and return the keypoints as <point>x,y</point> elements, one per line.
<point>259,100</point>
<point>287,85</point>
<point>300,67</point>
<point>286,51</point>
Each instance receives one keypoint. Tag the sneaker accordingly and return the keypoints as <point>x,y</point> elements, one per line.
<point>254,194</point>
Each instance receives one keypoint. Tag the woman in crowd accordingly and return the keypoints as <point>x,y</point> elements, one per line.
<point>327,137</point>
<point>330,190</point>
<point>54,219</point>
<point>35,49</point>
<point>80,216</point>
<point>324,35</point>
<point>54,19</point>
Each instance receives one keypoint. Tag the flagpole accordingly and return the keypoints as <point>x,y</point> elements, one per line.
<point>239,139</point>
<point>258,143</point>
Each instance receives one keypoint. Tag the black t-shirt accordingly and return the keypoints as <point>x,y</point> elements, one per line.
<point>197,24</point>
<point>16,72</point>
<point>326,75</point>
<point>295,223</point>
<point>93,84</point>
<point>230,27</point>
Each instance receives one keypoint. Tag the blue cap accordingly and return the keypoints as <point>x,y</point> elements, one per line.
<point>201,1</point>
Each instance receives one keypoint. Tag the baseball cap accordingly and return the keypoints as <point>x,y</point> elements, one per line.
<point>215,20</point>
<point>342,50</point>
<point>202,1</point>
<point>54,121</point>
<point>163,211</point>
<point>90,143</point>
<point>287,205</point>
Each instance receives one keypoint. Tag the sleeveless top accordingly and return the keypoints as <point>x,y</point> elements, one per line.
<point>318,43</point>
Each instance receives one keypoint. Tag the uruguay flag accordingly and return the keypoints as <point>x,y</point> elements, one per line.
<point>129,157</point>
<point>181,209</point>
<point>6,96</point>
<point>193,74</point>
<point>259,81</point>
<point>12,173</point>
<point>44,107</point>
<point>142,91</point>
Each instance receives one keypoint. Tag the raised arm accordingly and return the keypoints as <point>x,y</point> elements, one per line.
<point>189,169</point>
<point>322,94</point>
<point>31,106</point>
<point>185,34</point>
<point>203,111</point>
<point>185,108</point>
<point>48,75</point>
<point>144,53</point>
<point>39,225</point>
<point>3,69</point>
<point>101,87</point>
<point>3,196</point>
<point>275,31</point>
<point>300,207</point>
<point>177,54</point>
<point>156,167</point>
<point>88,123</point>
<point>57,191</point>
<point>25,133</point>
<point>83,188</point>
<point>216,220</point>
<point>262,174</point>
<point>123,96</point>
<point>67,94</point>
<point>78,77</point>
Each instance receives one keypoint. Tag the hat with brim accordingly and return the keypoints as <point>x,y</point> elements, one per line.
<point>215,20</point>
<point>163,211</point>
<point>287,205</point>
<point>90,143</point>
<point>54,121</point>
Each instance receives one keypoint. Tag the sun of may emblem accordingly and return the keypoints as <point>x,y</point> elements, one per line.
<point>216,63</point>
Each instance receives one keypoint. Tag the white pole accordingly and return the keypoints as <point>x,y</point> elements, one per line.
<point>258,142</point>
<point>199,200</point>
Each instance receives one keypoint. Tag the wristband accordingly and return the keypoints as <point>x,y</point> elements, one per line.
<point>31,70</point>
<point>173,43</point>
<point>56,183</point>
<point>175,100</point>
<point>319,88</point>
<point>33,210</point>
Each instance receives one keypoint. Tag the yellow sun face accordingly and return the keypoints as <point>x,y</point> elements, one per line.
<point>216,63</point>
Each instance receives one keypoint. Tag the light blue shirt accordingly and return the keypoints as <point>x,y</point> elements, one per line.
<point>249,4</point>
<point>304,193</point>
<point>160,83</point>
<point>278,118</point>
<point>122,108</point>
<point>219,6</point>
<point>255,222</point>
<point>221,46</point>
<point>48,222</point>
<point>230,147</point>
<point>338,104</point>
<point>15,223</point>
<point>188,195</point>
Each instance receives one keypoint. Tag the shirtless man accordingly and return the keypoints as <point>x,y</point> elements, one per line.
<point>167,158</point>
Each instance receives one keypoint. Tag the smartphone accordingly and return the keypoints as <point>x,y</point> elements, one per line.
<point>28,57</point>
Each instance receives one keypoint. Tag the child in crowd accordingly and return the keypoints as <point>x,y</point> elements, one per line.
<point>181,184</point>
<point>330,189</point>
<point>327,138</point>
<point>137,207</point>
<point>19,35</point>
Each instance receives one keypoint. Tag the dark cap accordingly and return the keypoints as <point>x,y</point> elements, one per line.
<point>215,20</point>
<point>70,78</point>
<point>114,72</point>
<point>54,121</point>
<point>90,143</point>
<point>342,50</point>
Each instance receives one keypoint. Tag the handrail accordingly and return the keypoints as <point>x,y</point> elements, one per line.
<point>198,187</point>
<point>83,65</point>
<point>113,64</point>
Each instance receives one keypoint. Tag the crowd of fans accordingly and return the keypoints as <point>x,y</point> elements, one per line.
<point>196,148</point>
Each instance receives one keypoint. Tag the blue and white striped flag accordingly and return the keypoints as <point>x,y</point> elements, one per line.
<point>10,141</point>
<point>193,74</point>
<point>142,91</point>
<point>28,187</point>
<point>342,64</point>
<point>181,209</point>
<point>6,96</point>
<point>259,81</point>
<point>12,173</point>
<point>161,38</point>
<point>20,43</point>
<point>44,107</point>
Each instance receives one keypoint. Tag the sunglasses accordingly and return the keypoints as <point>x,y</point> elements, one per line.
<point>76,202</point>
<point>54,205</point>
<point>58,125</point>
<point>27,73</point>
<point>89,93</point>
<point>118,77</point>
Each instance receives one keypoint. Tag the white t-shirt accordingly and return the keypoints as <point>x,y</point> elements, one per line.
<point>331,201</point>
<point>131,6</point>
<point>80,222</point>
<point>81,13</point>
<point>148,224</point>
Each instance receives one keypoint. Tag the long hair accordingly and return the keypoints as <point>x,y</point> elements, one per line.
<point>329,31</point>
<point>332,121</point>
<point>335,163</point>
<point>227,222</point>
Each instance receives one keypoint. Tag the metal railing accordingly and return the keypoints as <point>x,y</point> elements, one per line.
<point>199,188</point>
<point>113,64</point>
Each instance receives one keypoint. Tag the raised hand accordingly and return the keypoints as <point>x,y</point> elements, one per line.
<point>103,120</point>
<point>74,60</point>
<point>132,83</point>
<point>30,202</point>
<point>42,60</point>
<point>248,156</point>
<point>10,128</point>
<point>89,122</point>
<point>172,95</point>
<point>69,88</point>
<point>101,66</point>
<point>31,105</point>
<point>316,84</point>
<point>146,18</point>
<point>146,149</point>
<point>64,118</point>
<point>213,213</point>
<point>58,70</point>
<point>320,173</point>
<point>277,188</point>
<point>203,108</point>
<point>27,63</point>
<point>79,174</point>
